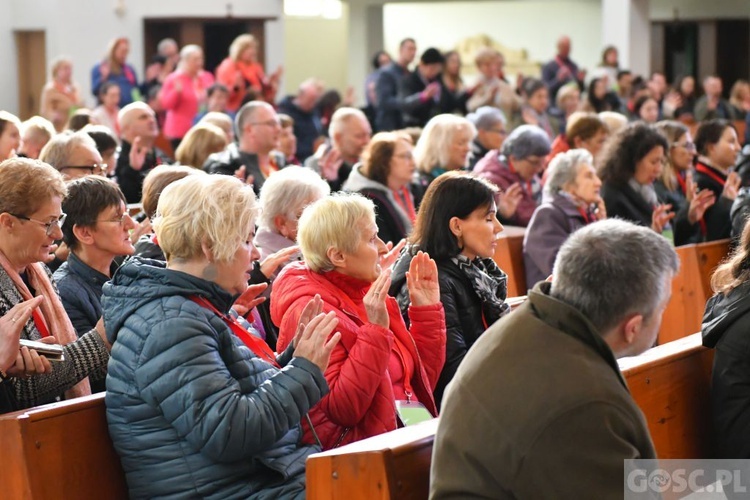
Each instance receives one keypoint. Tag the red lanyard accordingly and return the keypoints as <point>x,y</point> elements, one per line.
<point>40,323</point>
<point>526,185</point>
<point>402,351</point>
<point>681,181</point>
<point>403,198</point>
<point>258,346</point>
<point>711,173</point>
<point>585,216</point>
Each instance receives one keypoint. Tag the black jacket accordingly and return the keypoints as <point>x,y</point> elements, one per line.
<point>718,222</point>
<point>464,321</point>
<point>389,104</point>
<point>726,329</point>
<point>307,126</point>
<point>131,180</point>
<point>417,112</point>
<point>684,232</point>
<point>227,162</point>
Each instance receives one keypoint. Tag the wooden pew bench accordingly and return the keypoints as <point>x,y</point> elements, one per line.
<point>671,385</point>
<point>509,257</point>
<point>392,465</point>
<point>60,450</point>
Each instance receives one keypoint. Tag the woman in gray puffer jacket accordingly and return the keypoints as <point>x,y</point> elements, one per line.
<point>197,406</point>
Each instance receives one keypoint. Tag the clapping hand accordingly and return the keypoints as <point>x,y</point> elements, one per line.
<point>392,254</point>
<point>313,344</point>
<point>375,300</point>
<point>732,186</point>
<point>11,326</point>
<point>137,154</point>
<point>660,217</point>
<point>508,201</point>
<point>422,281</point>
<point>271,264</point>
<point>249,299</point>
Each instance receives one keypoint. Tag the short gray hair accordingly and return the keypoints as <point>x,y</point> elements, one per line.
<point>59,149</point>
<point>287,192</point>
<point>486,117</point>
<point>525,141</point>
<point>340,119</point>
<point>611,269</point>
<point>563,169</point>
<point>246,113</point>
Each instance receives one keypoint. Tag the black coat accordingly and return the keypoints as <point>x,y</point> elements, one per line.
<point>417,112</point>
<point>230,160</point>
<point>131,180</point>
<point>389,105</point>
<point>726,323</point>
<point>717,217</point>
<point>464,321</point>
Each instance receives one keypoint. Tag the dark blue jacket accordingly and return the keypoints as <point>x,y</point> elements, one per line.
<point>192,412</point>
<point>388,114</point>
<point>307,126</point>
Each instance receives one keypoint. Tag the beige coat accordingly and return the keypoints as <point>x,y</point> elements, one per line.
<point>538,409</point>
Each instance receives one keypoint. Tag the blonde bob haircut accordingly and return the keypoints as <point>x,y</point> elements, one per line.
<point>332,222</point>
<point>240,44</point>
<point>217,211</point>
<point>200,141</point>
<point>434,145</point>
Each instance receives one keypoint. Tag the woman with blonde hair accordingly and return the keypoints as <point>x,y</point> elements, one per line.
<point>114,68</point>
<point>379,366</point>
<point>739,98</point>
<point>189,385</point>
<point>184,92</point>
<point>725,329</point>
<point>201,141</point>
<point>445,144</point>
<point>60,95</point>
<point>241,73</point>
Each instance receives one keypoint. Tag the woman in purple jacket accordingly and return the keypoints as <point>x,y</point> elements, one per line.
<point>571,200</point>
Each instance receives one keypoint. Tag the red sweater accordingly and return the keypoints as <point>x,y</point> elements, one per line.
<point>361,400</point>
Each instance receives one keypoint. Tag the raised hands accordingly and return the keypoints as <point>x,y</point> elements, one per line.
<point>314,344</point>
<point>508,201</point>
<point>375,300</point>
<point>329,164</point>
<point>422,281</point>
<point>391,256</point>
<point>249,299</point>
<point>660,217</point>
<point>699,201</point>
<point>137,154</point>
<point>600,213</point>
<point>731,186</point>
<point>271,264</point>
<point>11,325</point>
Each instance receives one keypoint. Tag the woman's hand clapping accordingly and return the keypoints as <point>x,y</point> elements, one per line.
<point>422,281</point>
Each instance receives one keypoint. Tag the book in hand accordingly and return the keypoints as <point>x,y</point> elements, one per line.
<point>53,352</point>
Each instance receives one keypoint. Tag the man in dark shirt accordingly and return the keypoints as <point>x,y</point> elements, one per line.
<point>388,85</point>
<point>562,69</point>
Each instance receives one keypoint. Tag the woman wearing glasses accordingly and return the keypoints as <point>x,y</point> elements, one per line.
<point>97,229</point>
<point>385,176</point>
<point>31,194</point>
<point>676,186</point>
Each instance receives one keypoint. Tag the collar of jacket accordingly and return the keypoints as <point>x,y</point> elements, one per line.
<point>570,321</point>
<point>565,204</point>
<point>353,287</point>
<point>271,241</point>
<point>88,273</point>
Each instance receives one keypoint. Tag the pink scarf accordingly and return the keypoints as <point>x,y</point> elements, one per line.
<point>53,312</point>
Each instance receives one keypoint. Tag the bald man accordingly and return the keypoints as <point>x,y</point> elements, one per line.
<point>138,155</point>
<point>302,109</point>
<point>562,69</point>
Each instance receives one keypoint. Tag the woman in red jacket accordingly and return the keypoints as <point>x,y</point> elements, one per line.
<point>379,365</point>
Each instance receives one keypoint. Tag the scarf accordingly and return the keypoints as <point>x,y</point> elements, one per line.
<point>647,192</point>
<point>53,312</point>
<point>490,284</point>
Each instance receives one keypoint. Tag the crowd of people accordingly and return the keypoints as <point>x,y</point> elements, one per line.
<point>303,274</point>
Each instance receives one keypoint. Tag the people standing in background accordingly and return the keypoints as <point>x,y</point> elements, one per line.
<point>562,69</point>
<point>453,91</point>
<point>389,104</point>
<point>380,60</point>
<point>106,113</point>
<point>610,65</point>
<point>490,89</point>
<point>421,90</point>
<point>303,109</point>
<point>184,93</point>
<point>241,73</point>
<point>114,68</point>
<point>60,95</point>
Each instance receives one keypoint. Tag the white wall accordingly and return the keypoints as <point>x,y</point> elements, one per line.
<point>533,25</point>
<point>83,28</point>
<point>668,10</point>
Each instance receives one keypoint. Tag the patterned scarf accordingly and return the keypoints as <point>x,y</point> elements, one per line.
<point>490,284</point>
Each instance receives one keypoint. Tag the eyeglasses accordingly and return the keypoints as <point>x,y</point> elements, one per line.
<point>690,146</point>
<point>96,168</point>
<point>405,156</point>
<point>49,227</point>
<point>120,220</point>
<point>498,131</point>
<point>268,123</point>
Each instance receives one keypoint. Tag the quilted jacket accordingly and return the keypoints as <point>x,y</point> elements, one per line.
<point>361,402</point>
<point>191,411</point>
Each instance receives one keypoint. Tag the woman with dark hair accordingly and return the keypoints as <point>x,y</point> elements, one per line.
<point>675,186</point>
<point>453,92</point>
<point>631,163</point>
<point>458,227</point>
<point>685,90</point>
<point>534,109</point>
<point>646,109</point>
<point>379,60</point>
<point>717,145</point>
<point>596,97</point>
<point>10,135</point>
<point>385,176</point>
<point>725,325</point>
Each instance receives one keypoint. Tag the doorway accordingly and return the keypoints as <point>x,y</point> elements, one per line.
<point>680,50</point>
<point>31,57</point>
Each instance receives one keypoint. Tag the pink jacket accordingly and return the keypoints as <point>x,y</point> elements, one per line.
<point>183,105</point>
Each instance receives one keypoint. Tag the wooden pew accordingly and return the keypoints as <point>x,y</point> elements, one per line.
<point>392,465</point>
<point>61,450</point>
<point>509,257</point>
<point>671,385</point>
<point>691,288</point>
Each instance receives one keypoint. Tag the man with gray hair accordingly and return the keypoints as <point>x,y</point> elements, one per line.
<point>253,158</point>
<point>490,124</point>
<point>350,134</point>
<point>539,408</point>
<point>74,155</point>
